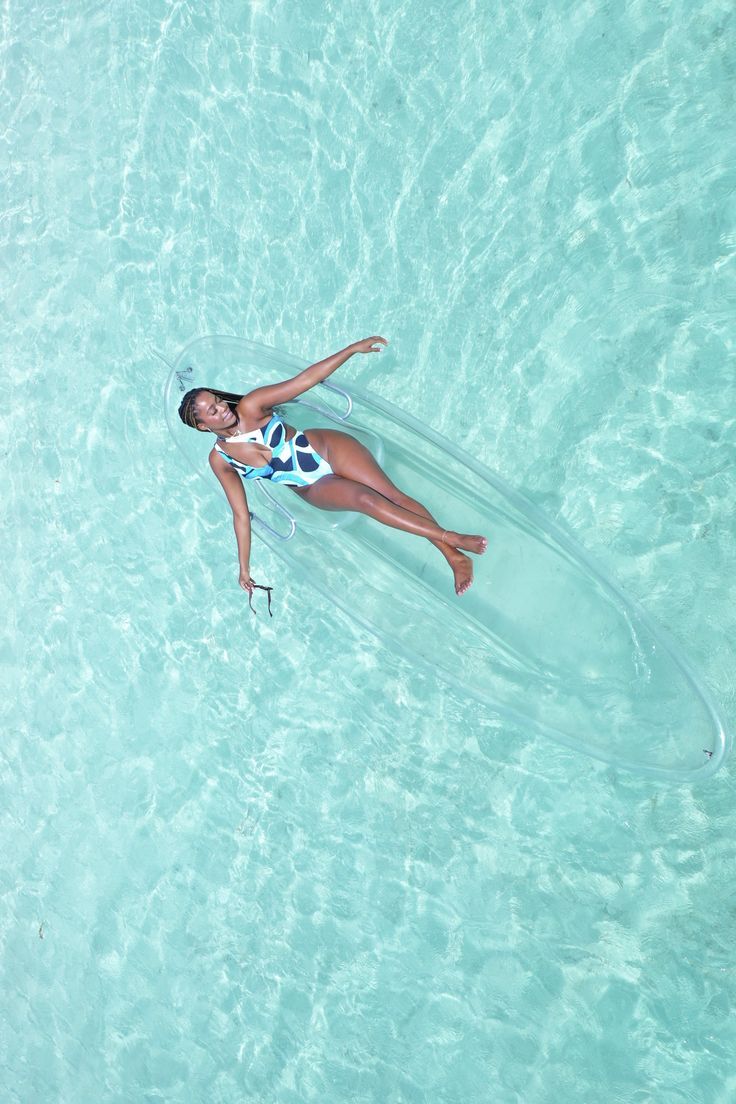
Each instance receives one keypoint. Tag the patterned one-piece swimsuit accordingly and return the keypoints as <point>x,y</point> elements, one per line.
<point>293,462</point>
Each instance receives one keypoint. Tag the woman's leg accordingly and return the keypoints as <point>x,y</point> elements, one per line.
<point>352,460</point>
<point>334,492</point>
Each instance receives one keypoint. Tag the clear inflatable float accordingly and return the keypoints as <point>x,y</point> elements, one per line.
<point>544,637</point>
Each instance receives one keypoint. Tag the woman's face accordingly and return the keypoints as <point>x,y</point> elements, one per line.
<point>213,413</point>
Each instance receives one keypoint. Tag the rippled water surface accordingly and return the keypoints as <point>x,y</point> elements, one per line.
<point>253,859</point>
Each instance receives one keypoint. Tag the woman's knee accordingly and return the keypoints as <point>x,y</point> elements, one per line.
<point>334,492</point>
<point>365,498</point>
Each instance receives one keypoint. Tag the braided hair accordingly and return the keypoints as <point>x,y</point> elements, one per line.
<point>186,406</point>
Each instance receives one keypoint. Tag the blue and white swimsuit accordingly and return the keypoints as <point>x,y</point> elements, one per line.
<point>293,462</point>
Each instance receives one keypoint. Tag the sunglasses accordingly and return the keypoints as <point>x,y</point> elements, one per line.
<point>257,586</point>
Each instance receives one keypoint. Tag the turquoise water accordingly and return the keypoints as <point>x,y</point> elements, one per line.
<point>253,859</point>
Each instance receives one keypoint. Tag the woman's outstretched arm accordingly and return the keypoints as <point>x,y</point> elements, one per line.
<point>233,487</point>
<point>263,399</point>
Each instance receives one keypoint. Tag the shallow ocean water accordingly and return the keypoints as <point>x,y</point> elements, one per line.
<point>253,859</point>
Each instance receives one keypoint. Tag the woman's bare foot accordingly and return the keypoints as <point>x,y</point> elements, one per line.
<point>462,569</point>
<point>467,541</point>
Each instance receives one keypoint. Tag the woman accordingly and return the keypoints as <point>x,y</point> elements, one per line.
<point>330,469</point>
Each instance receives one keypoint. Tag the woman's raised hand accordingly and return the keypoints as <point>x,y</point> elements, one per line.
<point>369,345</point>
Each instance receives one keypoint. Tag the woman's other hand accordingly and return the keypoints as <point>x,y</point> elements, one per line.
<point>369,345</point>
<point>245,581</point>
